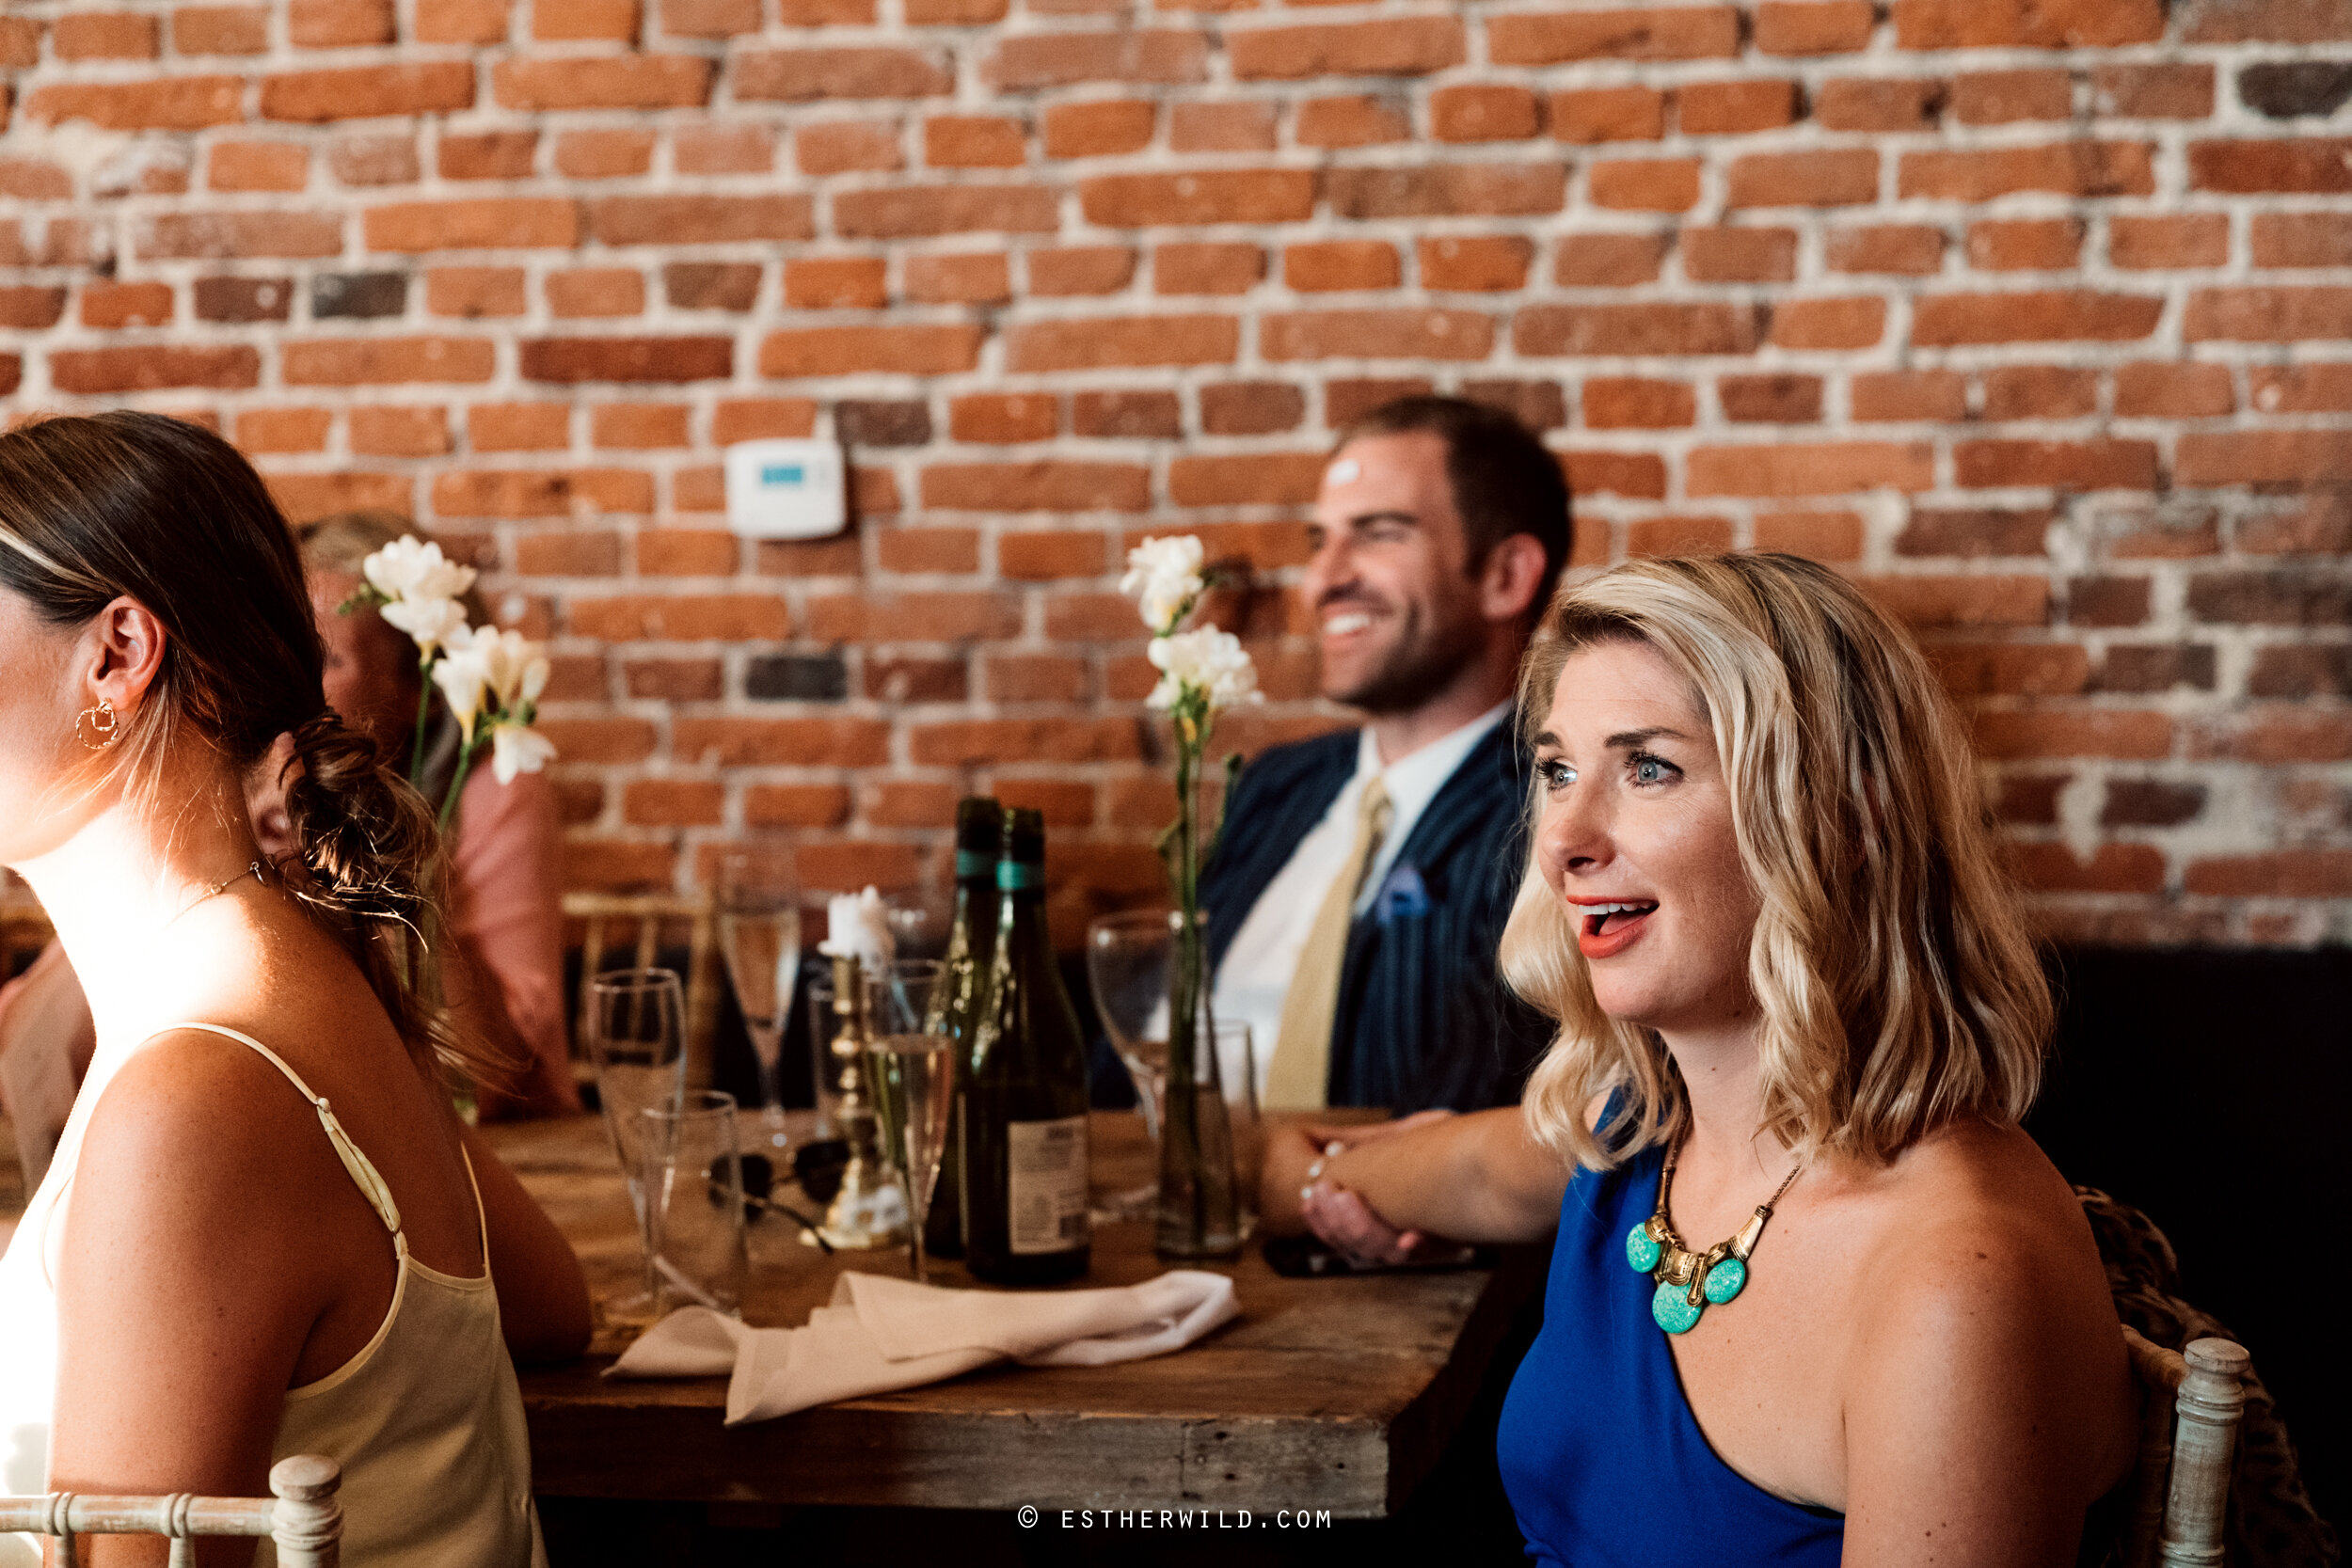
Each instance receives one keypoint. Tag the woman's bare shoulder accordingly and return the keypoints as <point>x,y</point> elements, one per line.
<point>1983,1320</point>
<point>189,1070</point>
<point>210,1109</point>
<point>1975,1171</point>
<point>1981,1229</point>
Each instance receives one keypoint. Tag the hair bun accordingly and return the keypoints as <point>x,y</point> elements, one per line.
<point>364,837</point>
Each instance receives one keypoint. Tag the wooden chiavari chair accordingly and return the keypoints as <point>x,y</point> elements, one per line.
<point>648,916</point>
<point>303,1519</point>
<point>2187,1440</point>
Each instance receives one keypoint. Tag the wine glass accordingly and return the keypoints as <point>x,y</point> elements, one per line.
<point>1128,962</point>
<point>913,1070</point>
<point>637,1038</point>
<point>759,931</point>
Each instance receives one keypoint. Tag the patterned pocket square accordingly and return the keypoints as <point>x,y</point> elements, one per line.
<point>1401,897</point>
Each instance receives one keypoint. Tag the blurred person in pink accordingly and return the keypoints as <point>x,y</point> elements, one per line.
<point>504,893</point>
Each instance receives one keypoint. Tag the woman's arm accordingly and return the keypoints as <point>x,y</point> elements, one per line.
<point>543,1298</point>
<point>190,1275</point>
<point>1475,1178</point>
<point>1988,1405</point>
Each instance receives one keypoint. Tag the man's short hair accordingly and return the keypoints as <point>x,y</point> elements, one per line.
<point>1504,480</point>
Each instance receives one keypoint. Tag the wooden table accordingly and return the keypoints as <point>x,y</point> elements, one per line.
<point>1335,1394</point>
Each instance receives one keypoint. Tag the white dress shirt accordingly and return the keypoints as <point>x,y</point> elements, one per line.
<point>1256,974</point>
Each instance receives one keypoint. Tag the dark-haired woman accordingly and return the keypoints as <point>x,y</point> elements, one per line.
<point>264,1231</point>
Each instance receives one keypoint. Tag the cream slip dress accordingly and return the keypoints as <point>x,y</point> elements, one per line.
<point>427,1420</point>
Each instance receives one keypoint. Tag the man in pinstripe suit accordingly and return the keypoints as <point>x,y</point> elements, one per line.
<point>1363,877</point>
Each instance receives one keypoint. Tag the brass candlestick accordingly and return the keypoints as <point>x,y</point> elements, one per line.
<point>870,1211</point>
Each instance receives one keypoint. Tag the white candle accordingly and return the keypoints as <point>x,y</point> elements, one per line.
<point>856,924</point>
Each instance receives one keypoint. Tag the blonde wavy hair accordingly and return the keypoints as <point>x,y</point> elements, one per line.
<point>1898,985</point>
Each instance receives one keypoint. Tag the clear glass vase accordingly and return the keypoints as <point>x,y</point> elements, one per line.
<point>1200,1207</point>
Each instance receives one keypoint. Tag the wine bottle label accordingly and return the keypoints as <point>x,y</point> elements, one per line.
<point>974,865</point>
<point>1046,1196</point>
<point>1013,876</point>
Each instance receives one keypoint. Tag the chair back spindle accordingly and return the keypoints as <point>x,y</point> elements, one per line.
<point>2188,1445</point>
<point>2212,1397</point>
<point>303,1519</point>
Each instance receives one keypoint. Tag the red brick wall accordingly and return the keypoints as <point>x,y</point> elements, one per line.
<point>2036,317</point>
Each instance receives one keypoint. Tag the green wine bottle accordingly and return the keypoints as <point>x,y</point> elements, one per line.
<point>962,993</point>
<point>1024,1107</point>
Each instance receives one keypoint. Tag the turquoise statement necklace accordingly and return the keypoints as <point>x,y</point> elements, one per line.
<point>1687,1280</point>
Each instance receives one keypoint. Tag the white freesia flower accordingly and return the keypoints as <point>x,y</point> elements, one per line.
<point>463,674</point>
<point>1165,575</point>
<point>515,667</point>
<point>1211,661</point>
<point>411,568</point>
<point>517,749</point>
<point>430,623</point>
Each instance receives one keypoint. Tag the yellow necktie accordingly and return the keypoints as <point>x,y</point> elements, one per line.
<point>1298,1077</point>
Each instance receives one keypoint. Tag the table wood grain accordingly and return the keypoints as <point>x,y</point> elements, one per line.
<point>1334,1394</point>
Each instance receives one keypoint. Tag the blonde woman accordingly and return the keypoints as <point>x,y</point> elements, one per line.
<point>1815,1297</point>
<point>264,1231</point>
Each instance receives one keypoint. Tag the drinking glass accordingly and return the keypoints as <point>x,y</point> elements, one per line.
<point>637,1038</point>
<point>913,1070</point>
<point>694,1180</point>
<point>916,1077</point>
<point>759,931</point>
<point>1128,959</point>
<point>824,1067</point>
<point>1237,1072</point>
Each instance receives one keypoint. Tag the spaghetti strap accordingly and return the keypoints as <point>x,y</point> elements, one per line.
<point>480,1215</point>
<point>362,1171</point>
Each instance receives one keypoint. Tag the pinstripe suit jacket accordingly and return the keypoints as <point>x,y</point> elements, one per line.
<point>1422,1018</point>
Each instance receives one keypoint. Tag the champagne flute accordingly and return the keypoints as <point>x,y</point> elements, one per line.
<point>637,1038</point>
<point>915,1075</point>
<point>759,931</point>
<point>911,1068</point>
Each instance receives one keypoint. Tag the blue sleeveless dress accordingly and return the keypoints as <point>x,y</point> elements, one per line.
<point>1605,1466</point>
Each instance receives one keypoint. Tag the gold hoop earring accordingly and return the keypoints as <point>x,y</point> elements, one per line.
<point>97,727</point>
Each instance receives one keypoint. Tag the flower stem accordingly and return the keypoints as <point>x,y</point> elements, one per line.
<point>424,705</point>
<point>457,782</point>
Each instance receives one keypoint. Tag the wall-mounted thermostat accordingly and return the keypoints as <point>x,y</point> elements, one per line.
<point>785,489</point>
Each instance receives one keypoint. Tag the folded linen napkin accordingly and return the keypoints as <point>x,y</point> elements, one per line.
<point>882,1334</point>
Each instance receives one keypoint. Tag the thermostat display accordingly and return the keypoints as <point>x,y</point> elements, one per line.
<point>785,489</point>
